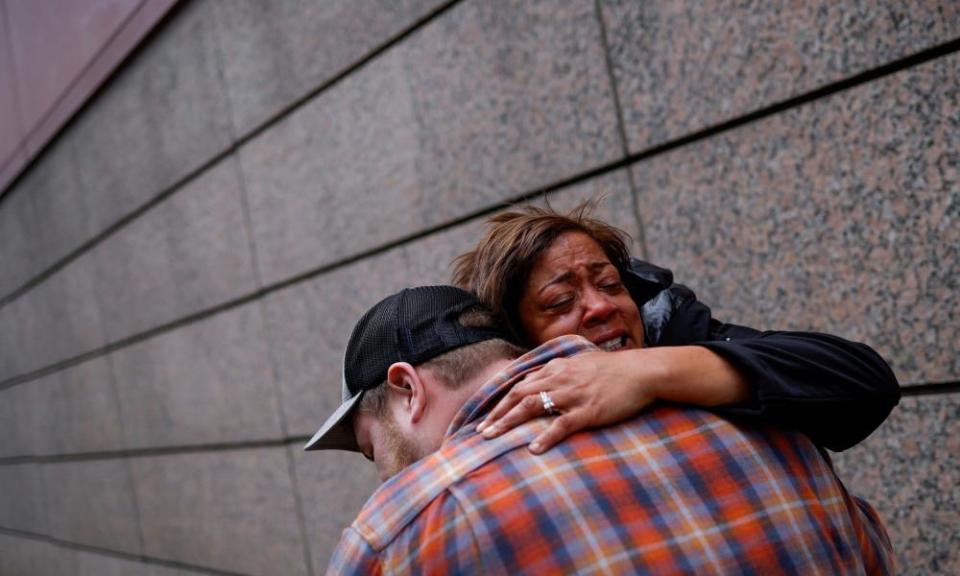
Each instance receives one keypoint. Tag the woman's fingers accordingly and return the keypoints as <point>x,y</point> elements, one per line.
<point>589,390</point>
<point>528,386</point>
<point>528,407</point>
<point>561,427</point>
<point>531,406</point>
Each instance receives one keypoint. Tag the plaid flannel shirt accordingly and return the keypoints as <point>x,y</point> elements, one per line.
<point>673,490</point>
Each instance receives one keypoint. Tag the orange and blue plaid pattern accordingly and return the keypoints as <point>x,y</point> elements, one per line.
<point>674,490</point>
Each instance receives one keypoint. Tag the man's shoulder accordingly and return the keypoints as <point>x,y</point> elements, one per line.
<point>397,504</point>
<point>482,502</point>
<point>401,502</point>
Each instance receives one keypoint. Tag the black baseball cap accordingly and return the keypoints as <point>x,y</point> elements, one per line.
<point>414,325</point>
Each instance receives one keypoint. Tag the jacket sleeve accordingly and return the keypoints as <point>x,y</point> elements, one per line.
<point>835,391</point>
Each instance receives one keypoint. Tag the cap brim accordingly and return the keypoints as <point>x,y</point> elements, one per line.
<point>337,432</point>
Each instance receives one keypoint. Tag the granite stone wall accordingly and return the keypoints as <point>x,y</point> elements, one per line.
<point>182,265</point>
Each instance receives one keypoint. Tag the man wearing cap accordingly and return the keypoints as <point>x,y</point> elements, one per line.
<point>676,489</point>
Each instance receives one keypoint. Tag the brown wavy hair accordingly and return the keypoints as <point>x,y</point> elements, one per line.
<point>498,267</point>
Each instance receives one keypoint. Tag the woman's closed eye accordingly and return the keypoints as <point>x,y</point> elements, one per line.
<point>612,285</point>
<point>559,303</point>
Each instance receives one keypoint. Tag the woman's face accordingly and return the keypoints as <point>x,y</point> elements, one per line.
<point>574,289</point>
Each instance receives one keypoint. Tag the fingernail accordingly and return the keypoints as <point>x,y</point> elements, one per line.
<point>536,447</point>
<point>489,432</point>
<point>481,426</point>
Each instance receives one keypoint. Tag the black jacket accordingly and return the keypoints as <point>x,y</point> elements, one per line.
<point>835,391</point>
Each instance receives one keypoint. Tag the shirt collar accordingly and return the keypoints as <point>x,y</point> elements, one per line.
<point>492,390</point>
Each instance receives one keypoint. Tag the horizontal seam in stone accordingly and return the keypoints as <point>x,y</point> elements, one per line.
<point>143,558</point>
<point>604,169</point>
<point>827,90</point>
<point>195,173</point>
<point>154,451</point>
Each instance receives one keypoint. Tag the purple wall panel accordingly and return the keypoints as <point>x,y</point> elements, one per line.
<point>55,55</point>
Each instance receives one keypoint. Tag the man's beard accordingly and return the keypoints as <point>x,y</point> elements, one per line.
<point>400,451</point>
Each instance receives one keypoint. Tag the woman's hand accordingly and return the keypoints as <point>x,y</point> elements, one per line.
<point>600,388</point>
<point>588,390</point>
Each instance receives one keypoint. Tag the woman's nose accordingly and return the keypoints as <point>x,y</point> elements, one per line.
<point>598,307</point>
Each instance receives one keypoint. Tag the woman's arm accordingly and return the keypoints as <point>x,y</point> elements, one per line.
<point>835,391</point>
<point>600,388</point>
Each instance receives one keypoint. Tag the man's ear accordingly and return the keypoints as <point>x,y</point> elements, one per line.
<point>405,384</point>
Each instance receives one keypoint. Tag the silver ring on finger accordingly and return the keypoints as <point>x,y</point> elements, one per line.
<point>548,406</point>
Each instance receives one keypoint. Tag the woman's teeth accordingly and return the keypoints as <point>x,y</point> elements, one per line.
<point>613,344</point>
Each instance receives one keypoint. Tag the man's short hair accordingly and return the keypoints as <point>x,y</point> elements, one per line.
<point>455,367</point>
<point>417,326</point>
<point>497,268</point>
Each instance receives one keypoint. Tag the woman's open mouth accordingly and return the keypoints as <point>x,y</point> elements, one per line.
<point>613,344</point>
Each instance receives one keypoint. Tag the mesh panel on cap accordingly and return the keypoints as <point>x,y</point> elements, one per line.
<point>414,326</point>
<point>372,347</point>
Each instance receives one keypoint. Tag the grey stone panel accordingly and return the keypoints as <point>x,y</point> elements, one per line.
<point>430,259</point>
<point>188,253</point>
<point>20,556</point>
<point>11,444</point>
<point>231,510</point>
<point>838,216</point>
<point>29,557</point>
<point>91,564</point>
<point>490,101</point>
<point>909,470</point>
<point>615,204</point>
<point>682,66</point>
<point>13,407</point>
<point>46,216</point>
<point>31,434</point>
<point>92,502</point>
<point>14,351</point>
<point>310,322</point>
<point>70,411</point>
<point>23,506</point>
<point>164,115</point>
<point>334,485</point>
<point>509,96</point>
<point>18,244</point>
<point>275,52</point>
<point>12,167</point>
<point>58,319</point>
<point>207,382</point>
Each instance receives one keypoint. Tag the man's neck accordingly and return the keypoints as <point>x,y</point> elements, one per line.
<point>484,376</point>
<point>459,396</point>
<point>454,400</point>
